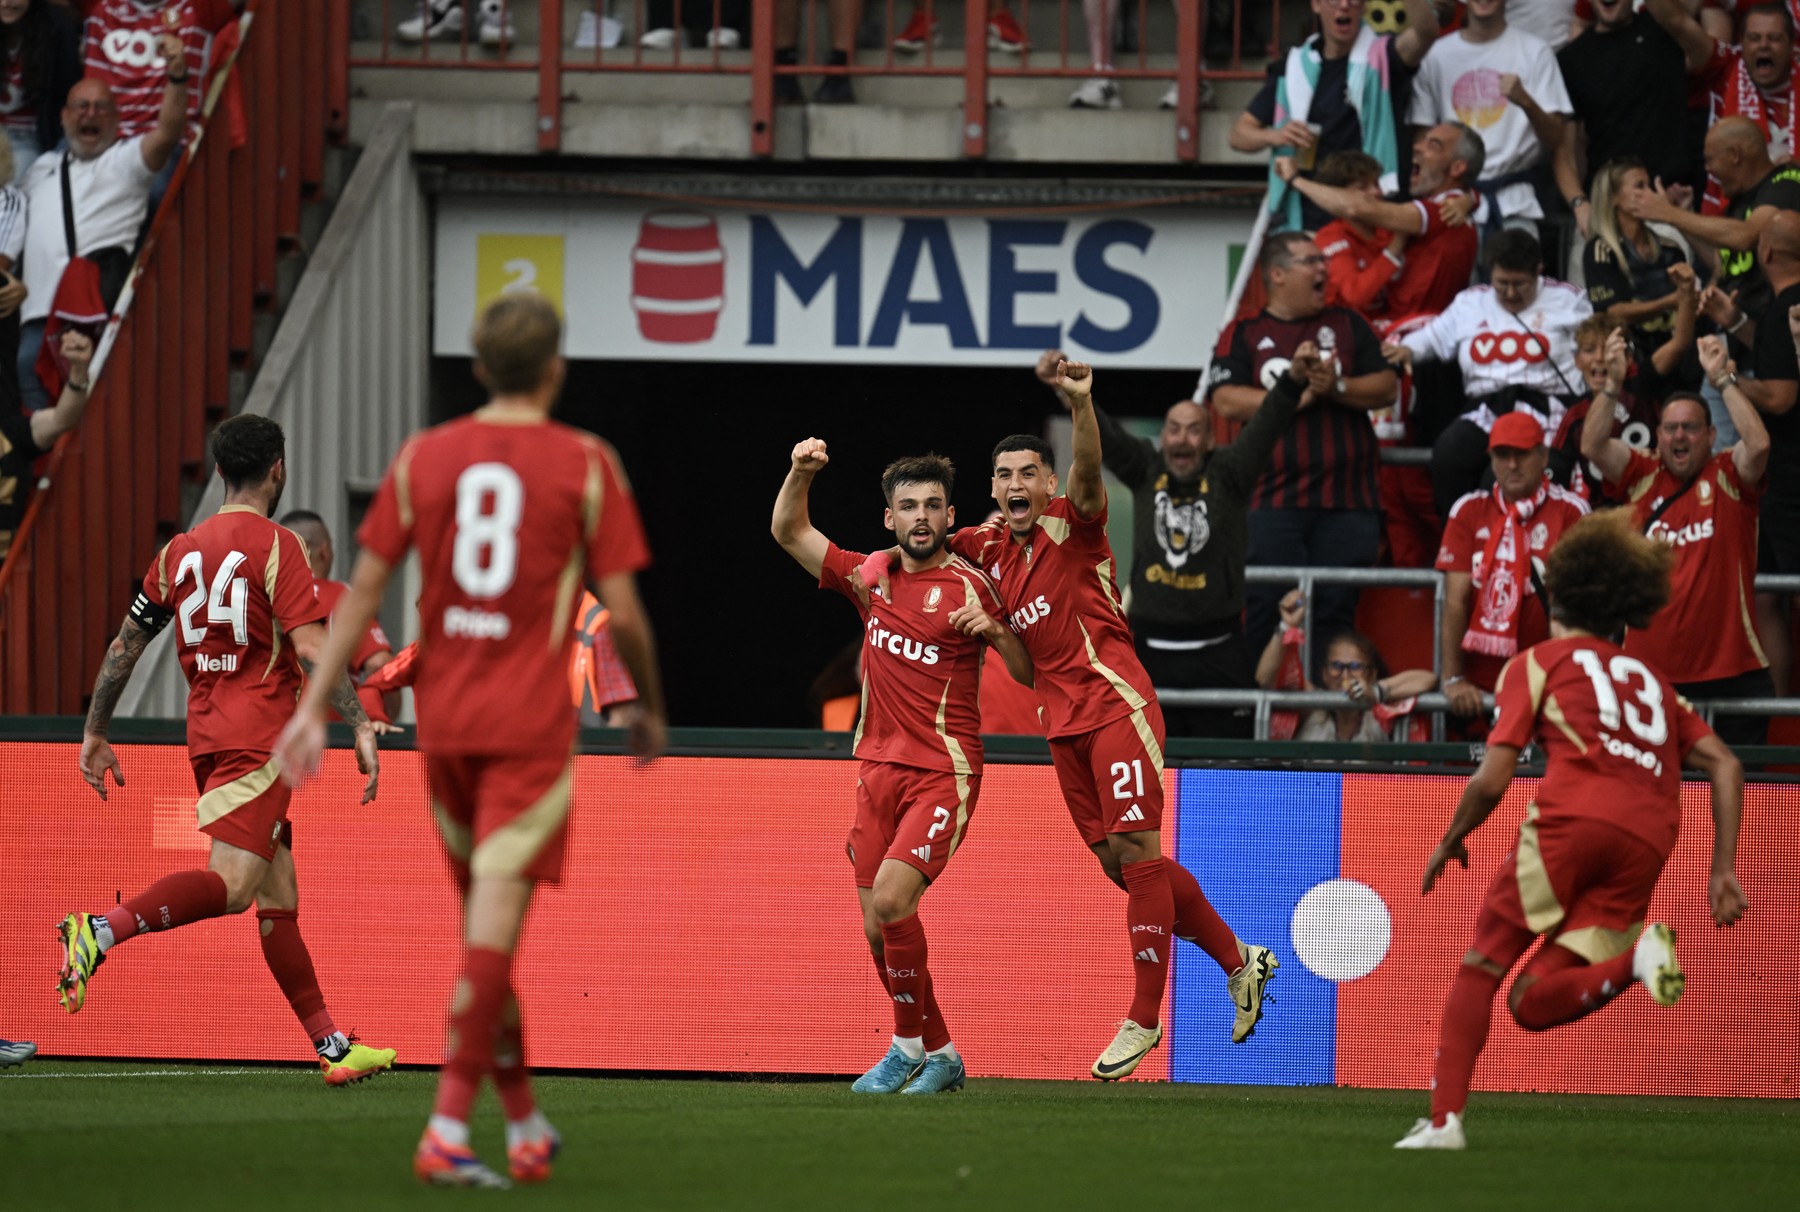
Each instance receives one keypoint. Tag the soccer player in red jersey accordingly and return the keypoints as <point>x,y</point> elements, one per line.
<point>240,591</point>
<point>1615,735</point>
<point>373,651</point>
<point>509,511</point>
<point>918,738</point>
<point>1050,558</point>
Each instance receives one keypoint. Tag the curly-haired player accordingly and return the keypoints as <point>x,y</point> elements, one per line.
<point>1615,736</point>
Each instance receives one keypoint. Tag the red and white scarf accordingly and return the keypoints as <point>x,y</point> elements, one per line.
<point>1740,98</point>
<point>1505,577</point>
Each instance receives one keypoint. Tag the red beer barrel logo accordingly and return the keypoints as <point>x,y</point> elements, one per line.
<point>678,277</point>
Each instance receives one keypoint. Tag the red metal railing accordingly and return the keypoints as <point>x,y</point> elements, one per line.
<point>544,51</point>
<point>186,320</point>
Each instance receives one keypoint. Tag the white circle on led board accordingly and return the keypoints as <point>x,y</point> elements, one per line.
<point>1341,929</point>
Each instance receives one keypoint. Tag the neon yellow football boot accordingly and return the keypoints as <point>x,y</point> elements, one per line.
<point>358,1064</point>
<point>81,955</point>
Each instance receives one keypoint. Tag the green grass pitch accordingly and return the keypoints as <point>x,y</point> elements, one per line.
<point>76,1136</point>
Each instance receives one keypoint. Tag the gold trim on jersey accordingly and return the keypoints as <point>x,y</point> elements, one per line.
<point>224,509</point>
<point>862,714</point>
<point>225,799</point>
<point>458,838</point>
<point>1536,897</point>
<point>1553,712</point>
<point>1725,486</point>
<point>1135,700</point>
<point>1147,735</point>
<point>271,571</point>
<point>1056,528</point>
<point>510,414</point>
<point>162,572</point>
<point>1749,627</point>
<point>567,583</point>
<point>1535,680</point>
<point>1107,585</point>
<point>508,850</point>
<point>1597,944</point>
<point>964,802</point>
<point>403,486</point>
<point>959,761</point>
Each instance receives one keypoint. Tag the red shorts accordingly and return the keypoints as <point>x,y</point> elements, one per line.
<point>913,815</point>
<point>1111,778</point>
<point>502,815</point>
<point>243,801</point>
<point>1582,883</point>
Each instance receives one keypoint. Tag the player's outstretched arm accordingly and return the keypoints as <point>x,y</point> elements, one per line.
<point>792,524</point>
<point>97,756</point>
<point>1726,773</point>
<point>309,641</point>
<point>1479,798</point>
<point>303,740</point>
<point>1087,490</point>
<point>632,636</point>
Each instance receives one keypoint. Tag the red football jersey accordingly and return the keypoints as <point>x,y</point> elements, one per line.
<point>237,584</point>
<point>1062,596</point>
<point>374,639</point>
<point>1705,632</point>
<point>507,514</point>
<point>921,677</point>
<point>1473,521</point>
<point>121,52</point>
<point>1438,261</point>
<point>1613,731</point>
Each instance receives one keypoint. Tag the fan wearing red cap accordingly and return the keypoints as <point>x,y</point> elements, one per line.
<point>1492,556</point>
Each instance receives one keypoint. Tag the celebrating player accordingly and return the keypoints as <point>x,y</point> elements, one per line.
<point>508,510</point>
<point>248,620</point>
<point>374,651</point>
<point>1615,736</point>
<point>919,737</point>
<point>1051,560</point>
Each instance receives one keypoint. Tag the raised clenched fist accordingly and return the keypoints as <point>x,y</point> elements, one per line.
<point>809,456</point>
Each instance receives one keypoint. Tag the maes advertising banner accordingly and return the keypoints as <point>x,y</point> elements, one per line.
<point>1141,288</point>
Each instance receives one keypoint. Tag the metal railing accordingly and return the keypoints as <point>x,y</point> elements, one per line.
<point>113,489</point>
<point>1265,702</point>
<point>541,45</point>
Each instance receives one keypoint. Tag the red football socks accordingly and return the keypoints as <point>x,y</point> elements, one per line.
<point>1197,921</point>
<point>903,943</point>
<point>937,1035</point>
<point>1567,989</point>
<point>174,900</point>
<point>474,1014</point>
<point>1461,1037</point>
<point>510,1077</point>
<point>1150,911</point>
<point>291,964</point>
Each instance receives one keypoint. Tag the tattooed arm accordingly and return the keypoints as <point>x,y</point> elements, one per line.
<point>309,645</point>
<point>97,756</point>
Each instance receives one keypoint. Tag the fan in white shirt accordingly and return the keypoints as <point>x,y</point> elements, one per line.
<point>1515,343</point>
<point>1503,83</point>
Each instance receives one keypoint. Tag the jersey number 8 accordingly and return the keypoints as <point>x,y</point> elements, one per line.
<point>490,503</point>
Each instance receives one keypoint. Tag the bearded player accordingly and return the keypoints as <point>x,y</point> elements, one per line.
<point>239,588</point>
<point>1050,558</point>
<point>1615,735</point>
<point>374,651</point>
<point>918,737</point>
<point>510,511</point>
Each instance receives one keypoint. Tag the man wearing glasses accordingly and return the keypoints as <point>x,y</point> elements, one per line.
<point>1318,502</point>
<point>1703,505</point>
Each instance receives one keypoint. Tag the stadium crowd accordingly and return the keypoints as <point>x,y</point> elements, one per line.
<point>99,98</point>
<point>1575,284</point>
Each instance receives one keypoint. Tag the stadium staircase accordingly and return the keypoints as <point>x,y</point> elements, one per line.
<point>221,257</point>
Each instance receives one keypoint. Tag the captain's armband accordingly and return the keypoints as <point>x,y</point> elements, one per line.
<point>148,615</point>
